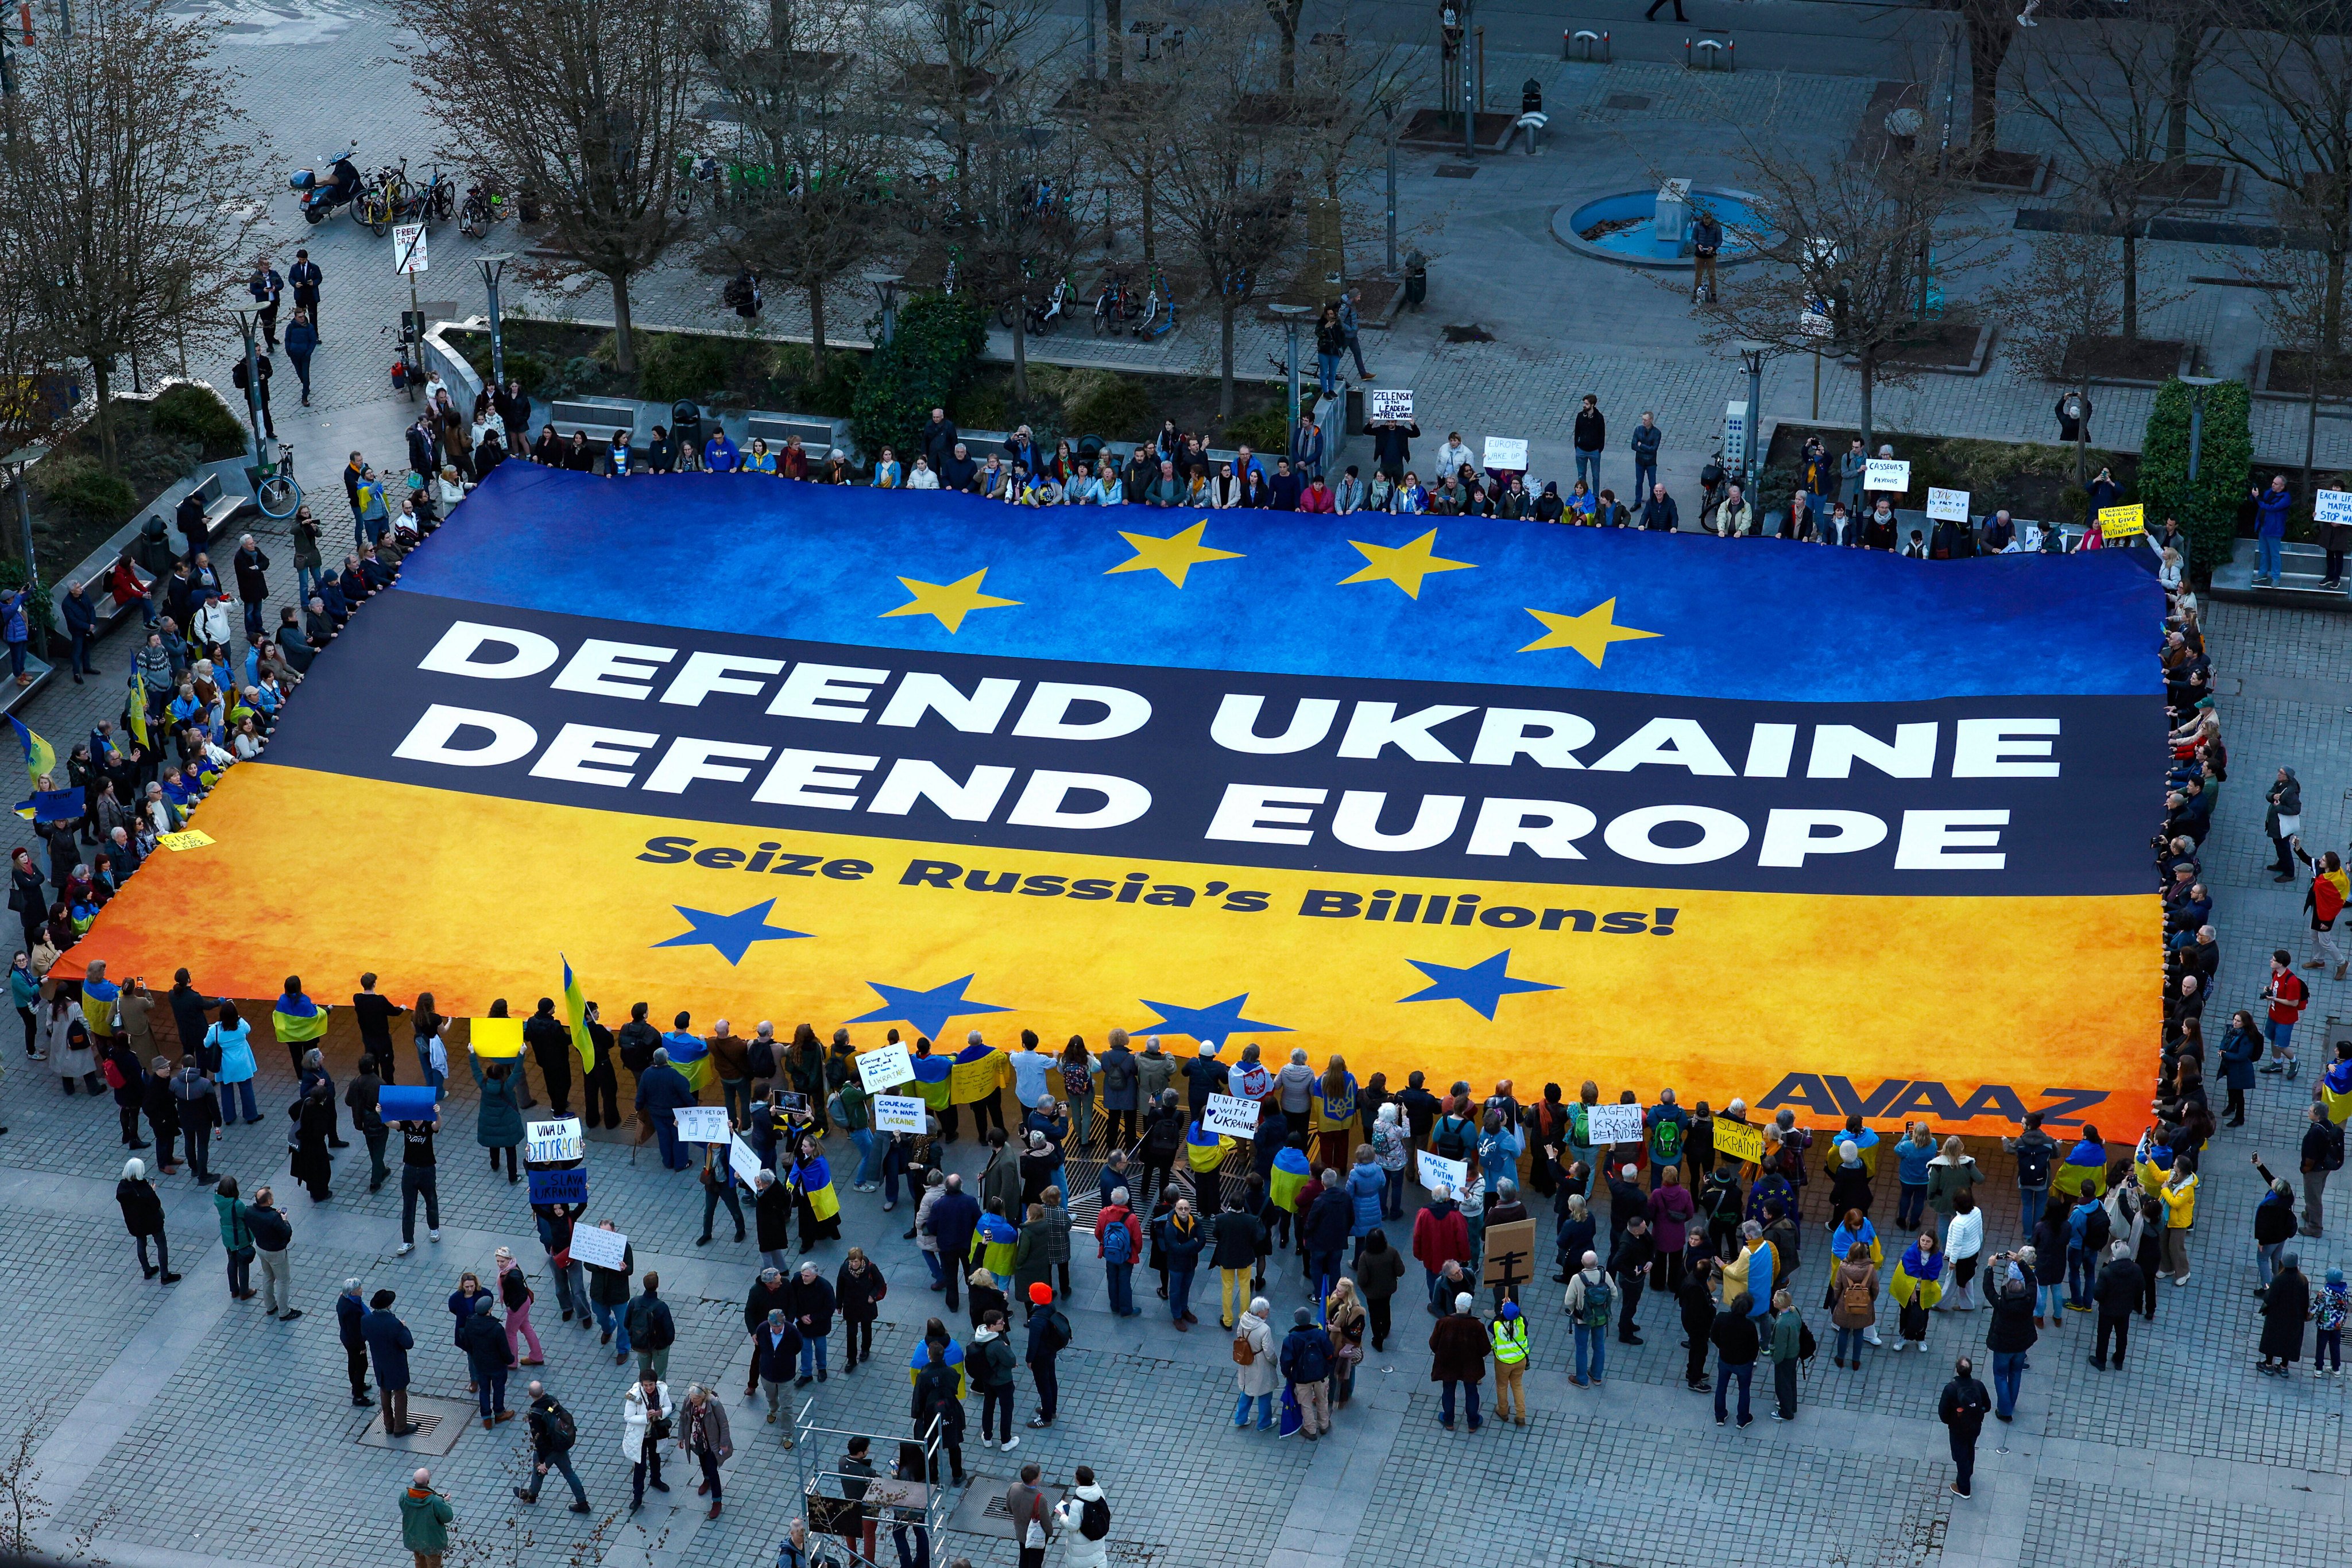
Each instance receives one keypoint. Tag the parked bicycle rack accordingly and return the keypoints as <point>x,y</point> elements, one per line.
<point>1720,55</point>
<point>1579,45</point>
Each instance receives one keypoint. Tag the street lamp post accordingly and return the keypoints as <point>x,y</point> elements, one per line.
<point>1290,315</point>
<point>1389,113</point>
<point>252,384</point>
<point>1751,358</point>
<point>2078,412</point>
<point>886,289</point>
<point>2198,386</point>
<point>493,267</point>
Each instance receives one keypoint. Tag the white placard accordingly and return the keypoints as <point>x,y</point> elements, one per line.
<point>1230,1116</point>
<point>1888,473</point>
<point>744,1161</point>
<point>1946,505</point>
<point>1393,404</point>
<point>1436,1171</point>
<point>899,1113</point>
<point>702,1125</point>
<point>408,248</point>
<point>883,1070</point>
<point>550,1143</point>
<point>1815,323</point>
<point>1612,1124</point>
<point>2332,506</point>
<point>1503,456</point>
<point>602,1248</point>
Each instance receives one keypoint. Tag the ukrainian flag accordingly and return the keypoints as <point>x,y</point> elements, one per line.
<point>998,1238</point>
<point>2086,1171</point>
<point>1332,1113</point>
<point>931,1080</point>
<point>1291,1172</point>
<point>1203,1150</point>
<point>297,1019</point>
<point>97,998</point>
<point>813,1181</point>
<point>40,757</point>
<point>977,1071</point>
<point>575,1010</point>
<point>136,710</point>
<point>2155,1165</point>
<point>690,1057</point>
<point>2336,1090</point>
<point>922,1358</point>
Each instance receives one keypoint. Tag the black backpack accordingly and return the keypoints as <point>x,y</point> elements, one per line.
<point>1806,1346</point>
<point>1094,1519</point>
<point>1452,1142</point>
<point>762,1056</point>
<point>2334,1159</point>
<point>2033,1164</point>
<point>2097,1230</point>
<point>562,1429</point>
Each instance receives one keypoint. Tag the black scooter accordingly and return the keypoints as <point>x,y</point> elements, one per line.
<point>341,188</point>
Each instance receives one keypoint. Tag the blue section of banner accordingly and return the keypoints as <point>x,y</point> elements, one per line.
<point>1271,591</point>
<point>560,1187</point>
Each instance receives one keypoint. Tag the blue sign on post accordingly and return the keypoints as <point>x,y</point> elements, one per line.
<point>560,1187</point>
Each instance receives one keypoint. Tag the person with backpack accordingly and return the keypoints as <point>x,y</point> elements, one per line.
<point>1720,1201</point>
<point>552,1433</point>
<point>2088,1230</point>
<point>1084,1518</point>
<point>1591,1300</point>
<point>1049,1335</point>
<point>988,1363</point>
<point>1455,1135</point>
<point>1255,1371</point>
<point>1305,1363</point>
<point>1854,1305</point>
<point>1792,1346</point>
<point>1033,1521</point>
<point>2287,996</point>
<point>1510,1337</point>
<point>1118,1238</point>
<point>2323,1151</point>
<point>1668,1127</point>
<point>1962,1408</point>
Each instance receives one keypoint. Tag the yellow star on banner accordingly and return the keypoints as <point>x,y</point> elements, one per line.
<point>950,601</point>
<point>1404,565</point>
<point>1172,556</point>
<point>1589,634</point>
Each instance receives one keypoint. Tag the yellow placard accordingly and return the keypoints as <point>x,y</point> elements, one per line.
<point>1738,1140</point>
<point>495,1037</point>
<point>189,840</point>
<point>2122,522</point>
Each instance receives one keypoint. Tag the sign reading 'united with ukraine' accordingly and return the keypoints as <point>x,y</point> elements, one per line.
<point>1820,828</point>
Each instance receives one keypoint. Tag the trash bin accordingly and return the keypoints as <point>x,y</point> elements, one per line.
<point>1416,280</point>
<point>686,429</point>
<point>1531,97</point>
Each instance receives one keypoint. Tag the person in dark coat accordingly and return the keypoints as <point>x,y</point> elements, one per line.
<point>488,1356</point>
<point>1963,1410</point>
<point>389,1343</point>
<point>859,1290</point>
<point>314,1119</point>
<point>661,1090</point>
<point>549,1039</point>
<point>143,1215</point>
<point>498,1125</point>
<point>1457,1354</point>
<point>771,1213</point>
<point>2284,1308</point>
<point>2010,1334</point>
<point>350,1329</point>
<point>121,1065</point>
<point>2116,1294</point>
<point>1324,1233</point>
<point>163,1111</point>
<point>1697,1299</point>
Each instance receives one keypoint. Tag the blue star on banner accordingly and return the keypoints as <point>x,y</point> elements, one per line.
<point>731,935</point>
<point>929,1010</point>
<point>1481,986</point>
<point>1209,1025</point>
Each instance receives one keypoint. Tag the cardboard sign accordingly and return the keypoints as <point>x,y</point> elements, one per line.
<point>1507,456</point>
<point>409,249</point>
<point>1886,473</point>
<point>406,1103</point>
<point>1510,1257</point>
<point>702,1125</point>
<point>2122,522</point>
<point>1436,1171</point>
<point>1388,405</point>
<point>1739,1141</point>
<point>1230,1116</point>
<point>899,1113</point>
<point>2327,507</point>
<point>744,1161</point>
<point>599,1248</point>
<point>1612,1124</point>
<point>1946,505</point>
<point>883,1070</point>
<point>193,840</point>
<point>560,1187</point>
<point>496,1038</point>
<point>550,1143</point>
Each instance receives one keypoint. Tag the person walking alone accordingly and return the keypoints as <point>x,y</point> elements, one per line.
<point>552,1433</point>
<point>703,1434</point>
<point>389,1343</point>
<point>1962,1408</point>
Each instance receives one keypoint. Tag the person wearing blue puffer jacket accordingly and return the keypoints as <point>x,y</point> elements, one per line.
<point>1367,1189</point>
<point>2271,507</point>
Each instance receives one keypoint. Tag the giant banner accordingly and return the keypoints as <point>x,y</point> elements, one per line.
<point>1819,828</point>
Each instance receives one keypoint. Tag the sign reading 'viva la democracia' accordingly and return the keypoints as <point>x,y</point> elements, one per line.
<point>1418,795</point>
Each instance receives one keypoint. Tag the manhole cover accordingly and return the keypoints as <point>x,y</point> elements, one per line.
<point>1456,171</point>
<point>1626,101</point>
<point>438,1424</point>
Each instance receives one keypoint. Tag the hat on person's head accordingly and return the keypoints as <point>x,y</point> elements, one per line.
<point>482,1303</point>
<point>1041,1292</point>
<point>380,1300</point>
<point>1510,1310</point>
<point>1303,1316</point>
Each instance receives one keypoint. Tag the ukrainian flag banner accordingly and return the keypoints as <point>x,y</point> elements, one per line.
<point>297,1019</point>
<point>575,1011</point>
<point>97,998</point>
<point>2085,1170</point>
<point>1438,793</point>
<point>813,1181</point>
<point>1291,1172</point>
<point>932,1080</point>
<point>1203,1150</point>
<point>2336,1090</point>
<point>979,1071</point>
<point>692,1057</point>
<point>40,757</point>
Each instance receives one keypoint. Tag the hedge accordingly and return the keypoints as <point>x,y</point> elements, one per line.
<point>939,341</point>
<point>2208,510</point>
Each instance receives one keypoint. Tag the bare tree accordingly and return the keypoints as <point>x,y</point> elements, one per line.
<point>1022,182</point>
<point>954,57</point>
<point>2297,296</point>
<point>589,103</point>
<point>119,187</point>
<point>1842,247</point>
<point>2064,301</point>
<point>1234,170</point>
<point>1346,79</point>
<point>1285,14</point>
<point>1992,30</point>
<point>2296,137</point>
<point>806,83</point>
<point>2110,105</point>
<point>1128,121</point>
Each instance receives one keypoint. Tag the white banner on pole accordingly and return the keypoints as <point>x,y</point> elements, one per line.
<point>408,249</point>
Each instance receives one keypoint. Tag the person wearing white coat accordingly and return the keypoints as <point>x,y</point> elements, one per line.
<point>1259,1379</point>
<point>648,1419</point>
<point>1963,1244</point>
<point>1077,1551</point>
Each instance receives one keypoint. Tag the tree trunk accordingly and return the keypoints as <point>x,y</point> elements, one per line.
<point>1116,52</point>
<point>625,347</point>
<point>2331,309</point>
<point>1150,251</point>
<point>1021,349</point>
<point>2131,286</point>
<point>102,383</point>
<point>1867,368</point>
<point>1992,30</point>
<point>1225,356</point>
<point>816,326</point>
<point>1339,225</point>
<point>2185,41</point>
<point>1285,20</point>
<point>2311,423</point>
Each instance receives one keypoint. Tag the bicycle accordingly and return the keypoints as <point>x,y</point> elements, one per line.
<point>277,494</point>
<point>387,201</point>
<point>434,202</point>
<point>485,204</point>
<point>1159,309</point>
<point>1115,303</point>
<point>947,281</point>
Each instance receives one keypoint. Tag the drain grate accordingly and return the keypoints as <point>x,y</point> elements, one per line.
<point>1456,171</point>
<point>1626,101</point>
<point>437,1423</point>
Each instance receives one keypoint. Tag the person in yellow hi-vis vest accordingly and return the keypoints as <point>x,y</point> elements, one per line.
<point>2179,1195</point>
<point>1510,1337</point>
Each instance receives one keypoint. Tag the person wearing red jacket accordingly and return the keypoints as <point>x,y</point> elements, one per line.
<point>1317,496</point>
<point>1119,1258</point>
<point>2287,996</point>
<point>1440,1236</point>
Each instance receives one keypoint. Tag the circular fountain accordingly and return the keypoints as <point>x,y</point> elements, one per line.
<point>1624,227</point>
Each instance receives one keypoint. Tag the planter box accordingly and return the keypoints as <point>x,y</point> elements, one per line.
<point>2034,178</point>
<point>1440,131</point>
<point>2184,364</point>
<point>1977,357</point>
<point>2335,390</point>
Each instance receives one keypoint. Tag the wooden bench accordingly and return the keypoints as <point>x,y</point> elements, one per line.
<point>598,417</point>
